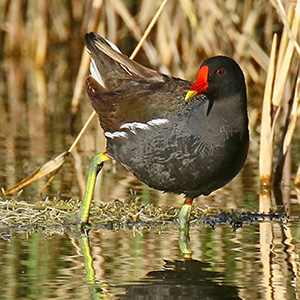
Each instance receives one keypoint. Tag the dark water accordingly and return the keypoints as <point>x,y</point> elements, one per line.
<point>259,261</point>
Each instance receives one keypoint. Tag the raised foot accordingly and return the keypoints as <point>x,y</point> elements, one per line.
<point>95,167</point>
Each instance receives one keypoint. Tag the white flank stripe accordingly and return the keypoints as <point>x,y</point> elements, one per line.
<point>135,125</point>
<point>116,134</point>
<point>108,135</point>
<point>157,122</point>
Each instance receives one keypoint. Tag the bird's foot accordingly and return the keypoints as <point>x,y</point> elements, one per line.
<point>84,228</point>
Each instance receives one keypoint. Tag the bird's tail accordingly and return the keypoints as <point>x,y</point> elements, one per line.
<point>109,65</point>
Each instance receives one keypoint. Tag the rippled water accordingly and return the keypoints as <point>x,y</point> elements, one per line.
<point>259,261</point>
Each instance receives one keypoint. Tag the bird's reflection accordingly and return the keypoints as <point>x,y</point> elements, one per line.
<point>180,279</point>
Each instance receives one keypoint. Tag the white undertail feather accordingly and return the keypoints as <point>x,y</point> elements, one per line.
<point>95,73</point>
<point>112,45</point>
<point>93,67</point>
<point>126,69</point>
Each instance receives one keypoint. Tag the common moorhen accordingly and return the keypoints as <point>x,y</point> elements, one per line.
<point>176,136</point>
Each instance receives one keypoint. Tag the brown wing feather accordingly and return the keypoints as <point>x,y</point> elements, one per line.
<point>136,101</point>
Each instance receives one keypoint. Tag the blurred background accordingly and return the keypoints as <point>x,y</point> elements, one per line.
<point>43,106</point>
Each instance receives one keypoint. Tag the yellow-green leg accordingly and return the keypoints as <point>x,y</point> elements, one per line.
<point>185,213</point>
<point>184,222</point>
<point>95,167</point>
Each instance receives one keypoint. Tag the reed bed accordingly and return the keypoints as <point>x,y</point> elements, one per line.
<point>261,35</point>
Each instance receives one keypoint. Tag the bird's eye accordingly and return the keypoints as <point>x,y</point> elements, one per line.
<point>220,72</point>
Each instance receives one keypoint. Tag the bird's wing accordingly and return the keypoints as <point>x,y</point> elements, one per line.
<point>123,91</point>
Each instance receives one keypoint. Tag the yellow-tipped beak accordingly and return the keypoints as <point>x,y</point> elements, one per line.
<point>190,94</point>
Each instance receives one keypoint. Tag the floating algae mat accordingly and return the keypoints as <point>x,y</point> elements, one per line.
<point>56,214</point>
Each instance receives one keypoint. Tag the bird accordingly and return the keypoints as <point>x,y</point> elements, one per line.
<point>175,135</point>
